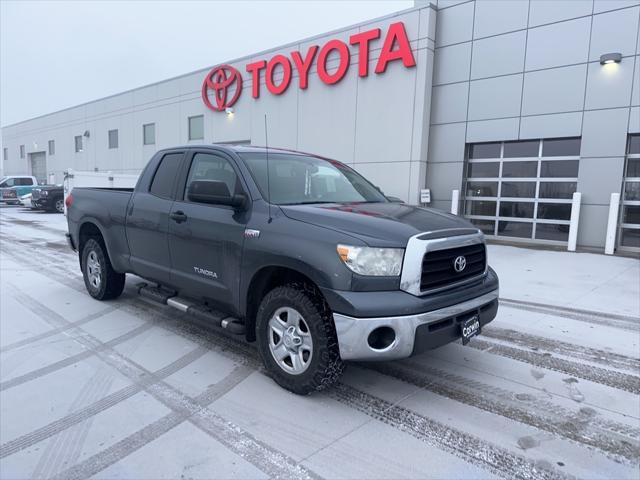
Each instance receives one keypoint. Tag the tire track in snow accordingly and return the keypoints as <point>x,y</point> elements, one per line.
<point>617,440</point>
<point>535,342</point>
<point>623,322</point>
<point>55,331</point>
<point>73,359</point>
<point>81,415</point>
<point>267,459</point>
<point>471,449</point>
<point>610,378</point>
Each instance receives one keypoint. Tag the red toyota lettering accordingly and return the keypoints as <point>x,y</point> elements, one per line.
<point>362,39</point>
<point>254,69</point>
<point>343,51</point>
<point>286,74</point>
<point>303,66</point>
<point>396,35</point>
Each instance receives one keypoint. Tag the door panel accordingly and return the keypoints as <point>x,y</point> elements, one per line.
<point>206,241</point>
<point>148,219</point>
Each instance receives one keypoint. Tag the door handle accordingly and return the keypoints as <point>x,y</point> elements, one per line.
<point>178,216</point>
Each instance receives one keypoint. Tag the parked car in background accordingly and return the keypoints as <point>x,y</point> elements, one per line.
<point>12,187</point>
<point>48,197</point>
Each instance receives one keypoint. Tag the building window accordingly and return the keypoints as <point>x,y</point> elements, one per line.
<point>149,134</point>
<point>196,127</point>
<point>5,154</point>
<point>113,138</point>
<point>78,142</point>
<point>21,151</point>
<point>629,237</point>
<point>522,189</point>
<point>52,147</point>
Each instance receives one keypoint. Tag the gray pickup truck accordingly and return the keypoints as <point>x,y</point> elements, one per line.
<point>294,251</point>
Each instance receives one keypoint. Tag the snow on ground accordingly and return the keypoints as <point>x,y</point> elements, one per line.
<point>128,389</point>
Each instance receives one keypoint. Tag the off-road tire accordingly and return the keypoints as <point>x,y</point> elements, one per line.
<point>112,282</point>
<point>326,366</point>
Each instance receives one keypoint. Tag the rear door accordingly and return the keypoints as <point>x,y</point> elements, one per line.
<point>148,218</point>
<point>205,241</point>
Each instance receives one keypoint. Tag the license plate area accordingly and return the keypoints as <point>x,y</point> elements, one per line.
<point>470,327</point>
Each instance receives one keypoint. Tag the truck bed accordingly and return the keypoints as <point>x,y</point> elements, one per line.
<point>108,206</point>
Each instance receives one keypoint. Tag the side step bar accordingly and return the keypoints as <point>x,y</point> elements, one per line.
<point>199,312</point>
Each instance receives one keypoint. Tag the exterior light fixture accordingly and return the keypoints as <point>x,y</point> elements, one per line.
<point>608,58</point>
<point>229,111</point>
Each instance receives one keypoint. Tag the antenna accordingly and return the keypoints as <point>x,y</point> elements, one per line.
<point>266,141</point>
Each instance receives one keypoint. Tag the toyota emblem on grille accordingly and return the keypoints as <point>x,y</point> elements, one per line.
<point>459,264</point>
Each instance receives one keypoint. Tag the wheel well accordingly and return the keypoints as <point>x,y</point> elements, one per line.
<point>87,231</point>
<point>262,283</point>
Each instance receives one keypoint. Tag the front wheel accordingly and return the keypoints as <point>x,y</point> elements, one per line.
<point>100,279</point>
<point>59,206</point>
<point>297,339</point>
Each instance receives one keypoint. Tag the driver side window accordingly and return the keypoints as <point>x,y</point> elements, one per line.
<point>10,182</point>
<point>210,167</point>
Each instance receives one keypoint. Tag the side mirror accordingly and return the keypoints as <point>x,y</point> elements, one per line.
<point>215,193</point>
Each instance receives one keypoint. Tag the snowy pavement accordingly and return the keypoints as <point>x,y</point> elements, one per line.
<point>129,389</point>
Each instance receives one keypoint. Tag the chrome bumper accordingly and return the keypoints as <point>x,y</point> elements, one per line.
<point>353,333</point>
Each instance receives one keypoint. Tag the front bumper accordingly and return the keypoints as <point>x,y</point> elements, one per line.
<point>413,333</point>
<point>44,203</point>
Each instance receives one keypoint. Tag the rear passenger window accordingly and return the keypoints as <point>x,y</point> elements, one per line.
<point>212,167</point>
<point>163,180</point>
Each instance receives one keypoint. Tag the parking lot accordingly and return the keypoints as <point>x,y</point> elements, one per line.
<point>130,389</point>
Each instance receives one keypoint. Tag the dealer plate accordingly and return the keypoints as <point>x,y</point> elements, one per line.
<point>470,328</point>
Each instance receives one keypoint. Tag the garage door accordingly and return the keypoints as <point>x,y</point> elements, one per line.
<point>39,166</point>
<point>630,215</point>
<point>522,189</point>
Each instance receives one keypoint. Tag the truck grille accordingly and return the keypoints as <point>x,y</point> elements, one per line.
<point>438,268</point>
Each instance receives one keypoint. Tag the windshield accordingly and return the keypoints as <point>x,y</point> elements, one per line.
<point>299,179</point>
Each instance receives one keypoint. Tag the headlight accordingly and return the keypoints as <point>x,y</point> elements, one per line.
<point>44,193</point>
<point>372,261</point>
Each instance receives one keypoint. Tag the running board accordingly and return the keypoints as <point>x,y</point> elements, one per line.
<point>199,312</point>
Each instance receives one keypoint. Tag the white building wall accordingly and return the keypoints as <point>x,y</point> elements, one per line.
<point>529,69</point>
<point>376,124</point>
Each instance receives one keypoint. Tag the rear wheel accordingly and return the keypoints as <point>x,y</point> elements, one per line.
<point>297,340</point>
<point>100,279</point>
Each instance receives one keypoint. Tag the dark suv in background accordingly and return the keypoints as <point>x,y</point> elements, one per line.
<point>48,197</point>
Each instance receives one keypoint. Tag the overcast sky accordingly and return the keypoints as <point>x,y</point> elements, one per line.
<point>55,54</point>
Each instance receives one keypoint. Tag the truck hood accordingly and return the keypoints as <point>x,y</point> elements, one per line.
<point>377,224</point>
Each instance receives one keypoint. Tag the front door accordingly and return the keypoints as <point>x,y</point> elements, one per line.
<point>205,241</point>
<point>148,220</point>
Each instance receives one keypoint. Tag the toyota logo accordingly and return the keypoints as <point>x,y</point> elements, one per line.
<point>459,264</point>
<point>220,80</point>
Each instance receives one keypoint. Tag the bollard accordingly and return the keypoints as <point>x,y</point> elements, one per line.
<point>573,226</point>
<point>612,224</point>
<point>455,200</point>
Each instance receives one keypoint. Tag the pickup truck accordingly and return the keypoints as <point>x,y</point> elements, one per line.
<point>296,252</point>
<point>13,187</point>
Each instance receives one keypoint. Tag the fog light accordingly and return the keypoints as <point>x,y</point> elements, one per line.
<point>381,338</point>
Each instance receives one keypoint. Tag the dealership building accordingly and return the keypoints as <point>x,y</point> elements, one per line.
<point>515,104</point>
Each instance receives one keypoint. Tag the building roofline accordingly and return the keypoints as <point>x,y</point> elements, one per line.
<point>236,60</point>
